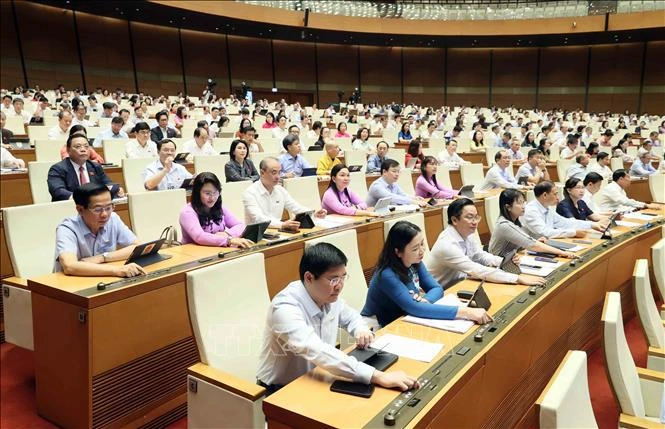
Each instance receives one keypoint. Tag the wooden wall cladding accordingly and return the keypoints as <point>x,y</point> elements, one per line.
<point>251,61</point>
<point>158,61</point>
<point>11,73</point>
<point>381,74</point>
<point>205,57</point>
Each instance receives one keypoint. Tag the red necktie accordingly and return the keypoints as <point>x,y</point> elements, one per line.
<point>82,179</point>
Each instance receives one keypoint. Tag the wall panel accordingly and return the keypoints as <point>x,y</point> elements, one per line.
<point>106,52</point>
<point>11,73</point>
<point>468,76</point>
<point>205,57</point>
<point>158,62</point>
<point>514,75</point>
<point>562,77</point>
<point>338,71</point>
<point>294,66</point>
<point>381,74</point>
<point>49,45</point>
<point>653,97</point>
<point>251,61</point>
<point>424,70</point>
<point>614,77</point>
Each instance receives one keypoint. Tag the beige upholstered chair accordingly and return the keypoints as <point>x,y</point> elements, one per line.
<point>149,223</point>
<point>472,174</point>
<point>48,150</point>
<point>132,173</point>
<point>566,402</point>
<point>658,259</point>
<point>114,150</point>
<point>657,187</point>
<point>652,325</point>
<point>232,197</point>
<point>305,190</point>
<point>492,211</point>
<point>358,184</point>
<point>222,390</point>
<point>211,163</point>
<point>38,177</point>
<point>638,391</point>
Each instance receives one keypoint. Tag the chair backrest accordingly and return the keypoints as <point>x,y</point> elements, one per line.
<point>405,181</point>
<point>212,163</point>
<point>114,150</point>
<point>472,174</point>
<point>396,154</point>
<point>30,235</point>
<point>555,153</point>
<point>416,219</point>
<point>492,211</point>
<point>646,305</point>
<point>355,289</point>
<point>616,163</point>
<point>358,184</point>
<point>37,132</point>
<point>443,176</point>
<point>561,168</point>
<point>657,187</point>
<point>257,157</point>
<point>356,157</point>
<point>313,157</point>
<point>658,260</point>
<point>221,145</point>
<point>566,402</point>
<point>619,361</point>
<point>38,177</point>
<point>152,211</point>
<point>489,154</point>
<point>219,315</point>
<point>132,173</point>
<point>232,197</point>
<point>15,124</point>
<point>304,190</point>
<point>48,150</point>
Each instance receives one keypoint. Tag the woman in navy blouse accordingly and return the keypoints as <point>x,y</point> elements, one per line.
<point>404,135</point>
<point>572,205</point>
<point>402,285</point>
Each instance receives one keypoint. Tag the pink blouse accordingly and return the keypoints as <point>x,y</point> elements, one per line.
<point>427,189</point>
<point>269,125</point>
<point>193,232</point>
<point>342,135</point>
<point>337,202</point>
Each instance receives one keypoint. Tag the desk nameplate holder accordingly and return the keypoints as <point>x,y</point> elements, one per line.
<point>408,404</point>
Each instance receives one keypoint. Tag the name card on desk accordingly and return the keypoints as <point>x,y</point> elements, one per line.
<point>407,347</point>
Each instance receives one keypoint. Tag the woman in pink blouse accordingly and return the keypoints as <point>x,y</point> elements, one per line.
<point>341,131</point>
<point>427,186</point>
<point>339,199</point>
<point>204,221</point>
<point>270,121</point>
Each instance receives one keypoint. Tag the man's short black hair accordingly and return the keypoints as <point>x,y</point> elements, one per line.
<point>592,177</point>
<point>118,120</point>
<point>292,127</point>
<point>532,153</point>
<point>618,174</point>
<point>456,207</point>
<point>601,155</point>
<point>542,187</point>
<point>387,164</point>
<point>161,113</point>
<point>83,193</point>
<point>108,105</point>
<point>319,258</point>
<point>163,142</point>
<point>289,140</point>
<point>498,155</point>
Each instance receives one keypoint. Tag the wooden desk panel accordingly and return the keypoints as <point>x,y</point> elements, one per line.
<point>639,190</point>
<point>15,189</point>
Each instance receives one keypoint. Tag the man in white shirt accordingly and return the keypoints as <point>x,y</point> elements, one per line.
<point>280,131</point>
<point>499,175</point>
<point>213,116</point>
<point>163,173</point>
<point>602,165</point>
<point>457,253</point>
<point>6,105</point>
<point>61,131</point>
<point>113,133</point>
<point>79,117</point>
<point>515,153</point>
<point>302,325</point>
<point>580,168</point>
<point>449,156</point>
<point>572,148</point>
<point>199,145</point>
<point>534,169</point>
<point>642,166</point>
<point>18,111</point>
<point>613,196</point>
<point>265,199</point>
<point>541,220</point>
<point>141,146</point>
<point>592,183</point>
<point>7,160</point>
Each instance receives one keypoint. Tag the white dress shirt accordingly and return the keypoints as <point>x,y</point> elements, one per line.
<point>261,205</point>
<point>172,180</point>
<point>56,133</point>
<point>613,197</point>
<point>576,170</point>
<point>78,173</point>
<point>133,149</point>
<point>7,160</point>
<point>540,221</point>
<point>603,170</point>
<point>194,149</point>
<point>453,258</point>
<point>526,170</point>
<point>451,161</point>
<point>107,134</point>
<point>588,199</point>
<point>299,336</point>
<point>25,115</point>
<point>498,178</point>
<point>279,133</point>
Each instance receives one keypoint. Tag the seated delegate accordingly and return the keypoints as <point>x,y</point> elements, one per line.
<point>613,196</point>
<point>499,175</point>
<point>427,186</point>
<point>457,254</point>
<point>292,162</point>
<point>534,169</point>
<point>374,161</point>
<point>508,234</point>
<point>573,204</point>
<point>75,170</point>
<point>83,243</point>
<point>266,200</point>
<point>400,274</point>
<point>541,221</point>
<point>329,159</point>
<point>302,325</point>
<point>141,146</point>
<point>386,186</point>
<point>206,221</point>
<point>339,199</point>
<point>163,173</point>
<point>240,167</point>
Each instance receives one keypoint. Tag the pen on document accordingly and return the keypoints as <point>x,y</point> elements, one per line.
<point>535,267</point>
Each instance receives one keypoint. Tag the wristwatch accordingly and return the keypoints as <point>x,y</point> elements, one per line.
<point>105,255</point>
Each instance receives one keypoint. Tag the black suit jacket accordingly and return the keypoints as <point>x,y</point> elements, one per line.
<point>156,134</point>
<point>63,179</point>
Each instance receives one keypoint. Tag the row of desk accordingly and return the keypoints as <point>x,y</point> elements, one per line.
<point>118,357</point>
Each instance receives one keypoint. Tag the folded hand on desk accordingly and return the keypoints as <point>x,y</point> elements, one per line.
<point>129,270</point>
<point>397,379</point>
<point>526,279</point>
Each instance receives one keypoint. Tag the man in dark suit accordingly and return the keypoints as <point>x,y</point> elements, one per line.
<point>162,130</point>
<point>68,174</point>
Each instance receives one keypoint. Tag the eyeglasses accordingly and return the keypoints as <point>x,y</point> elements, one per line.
<point>145,132</point>
<point>335,281</point>
<point>210,194</point>
<point>106,209</point>
<point>476,218</point>
<point>79,147</point>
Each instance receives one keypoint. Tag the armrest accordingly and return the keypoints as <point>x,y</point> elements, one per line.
<point>651,385</point>
<point>656,352</point>
<point>227,381</point>
<point>632,422</point>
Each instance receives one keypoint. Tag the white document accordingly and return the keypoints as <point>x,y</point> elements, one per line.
<point>627,224</point>
<point>637,215</point>
<point>333,221</point>
<point>529,265</point>
<point>406,208</point>
<point>407,347</point>
<point>460,326</point>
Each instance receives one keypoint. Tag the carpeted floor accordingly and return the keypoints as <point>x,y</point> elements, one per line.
<point>18,409</point>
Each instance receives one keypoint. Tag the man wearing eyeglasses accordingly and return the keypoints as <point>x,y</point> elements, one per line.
<point>457,253</point>
<point>77,169</point>
<point>83,243</point>
<point>302,324</point>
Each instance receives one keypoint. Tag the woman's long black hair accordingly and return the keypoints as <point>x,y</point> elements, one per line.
<point>399,237</point>
<point>215,214</point>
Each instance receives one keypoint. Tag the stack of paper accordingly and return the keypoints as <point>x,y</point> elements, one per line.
<point>640,216</point>
<point>627,224</point>
<point>406,208</point>
<point>332,221</point>
<point>529,265</point>
<point>407,347</point>
<point>460,326</point>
